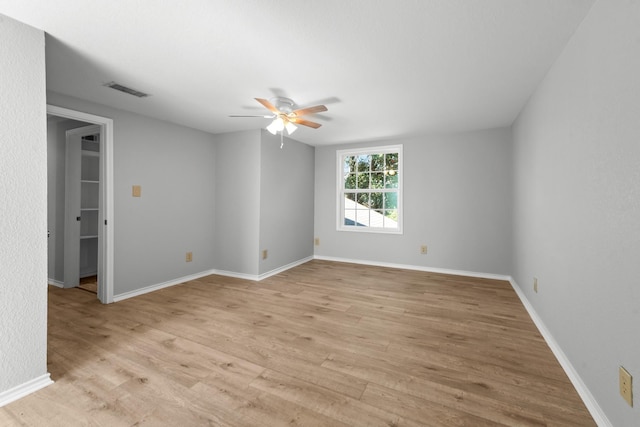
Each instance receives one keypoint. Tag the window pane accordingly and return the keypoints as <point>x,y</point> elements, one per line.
<point>391,214</point>
<point>391,161</point>
<point>390,201</point>
<point>363,199</point>
<point>377,162</point>
<point>362,218</point>
<point>349,164</point>
<point>350,181</point>
<point>350,196</point>
<point>391,180</point>
<point>391,219</point>
<point>363,180</point>
<point>377,180</point>
<point>349,217</point>
<point>364,163</point>
<point>377,200</point>
<point>377,218</point>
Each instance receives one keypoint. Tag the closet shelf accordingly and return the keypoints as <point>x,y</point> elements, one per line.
<point>88,153</point>
<point>88,237</point>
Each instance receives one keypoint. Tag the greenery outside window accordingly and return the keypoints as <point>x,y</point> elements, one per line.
<point>370,189</point>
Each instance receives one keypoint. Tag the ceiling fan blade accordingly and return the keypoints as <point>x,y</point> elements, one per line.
<point>264,117</point>
<point>269,106</point>
<point>304,122</point>
<point>309,110</point>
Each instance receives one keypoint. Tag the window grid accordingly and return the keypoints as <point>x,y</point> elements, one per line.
<point>369,189</point>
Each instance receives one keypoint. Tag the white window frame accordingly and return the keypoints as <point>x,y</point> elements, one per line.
<point>340,193</point>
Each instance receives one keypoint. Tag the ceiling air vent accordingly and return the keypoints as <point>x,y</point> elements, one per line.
<point>116,86</point>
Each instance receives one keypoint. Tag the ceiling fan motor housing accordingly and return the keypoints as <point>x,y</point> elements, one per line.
<point>284,105</point>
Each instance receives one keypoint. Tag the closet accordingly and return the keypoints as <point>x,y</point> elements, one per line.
<point>89,204</point>
<point>82,204</point>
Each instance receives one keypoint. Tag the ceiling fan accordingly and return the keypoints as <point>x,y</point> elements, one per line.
<point>285,116</point>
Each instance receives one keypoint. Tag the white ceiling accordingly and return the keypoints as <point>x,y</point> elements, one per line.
<point>384,68</point>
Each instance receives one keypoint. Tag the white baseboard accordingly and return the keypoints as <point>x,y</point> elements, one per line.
<point>253,277</point>
<point>284,268</point>
<point>163,285</point>
<point>22,390</point>
<point>245,276</point>
<point>56,283</point>
<point>417,268</point>
<point>259,277</point>
<point>590,402</point>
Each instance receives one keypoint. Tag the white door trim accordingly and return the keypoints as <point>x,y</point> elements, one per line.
<point>105,292</point>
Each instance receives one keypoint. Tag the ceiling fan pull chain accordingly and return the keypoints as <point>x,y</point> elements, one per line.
<point>281,140</point>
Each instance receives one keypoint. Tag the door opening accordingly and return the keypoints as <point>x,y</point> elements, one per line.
<point>89,220</point>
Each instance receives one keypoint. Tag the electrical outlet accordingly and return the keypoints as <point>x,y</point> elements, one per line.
<point>626,386</point>
<point>535,285</point>
<point>316,241</point>
<point>136,191</point>
<point>423,249</point>
<point>189,257</point>
<point>264,254</point>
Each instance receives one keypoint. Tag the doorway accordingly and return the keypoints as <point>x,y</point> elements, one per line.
<point>93,221</point>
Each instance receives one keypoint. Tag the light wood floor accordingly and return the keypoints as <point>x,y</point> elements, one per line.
<point>323,344</point>
<point>89,284</point>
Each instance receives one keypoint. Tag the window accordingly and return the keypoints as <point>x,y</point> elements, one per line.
<point>370,189</point>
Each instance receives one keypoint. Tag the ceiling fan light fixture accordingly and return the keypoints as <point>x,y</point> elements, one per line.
<point>275,126</point>
<point>272,128</point>
<point>291,128</point>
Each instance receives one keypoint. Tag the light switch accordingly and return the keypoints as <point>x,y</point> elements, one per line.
<point>136,191</point>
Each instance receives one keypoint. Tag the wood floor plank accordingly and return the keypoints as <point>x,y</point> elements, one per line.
<point>322,344</point>
<point>421,410</point>
<point>252,407</point>
<point>326,402</point>
<point>475,398</point>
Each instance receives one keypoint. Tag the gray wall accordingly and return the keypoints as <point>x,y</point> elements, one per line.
<point>23,211</point>
<point>286,201</point>
<point>215,195</point>
<point>264,200</point>
<point>457,201</point>
<point>175,167</point>
<point>56,159</point>
<point>577,202</point>
<point>237,215</point>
